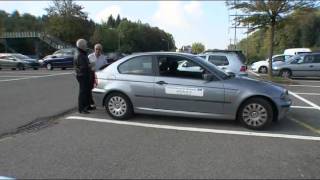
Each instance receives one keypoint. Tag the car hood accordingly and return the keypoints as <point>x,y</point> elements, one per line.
<point>259,86</point>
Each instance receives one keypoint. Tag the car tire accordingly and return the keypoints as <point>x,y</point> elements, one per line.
<point>263,70</point>
<point>256,113</point>
<point>49,67</point>
<point>118,106</point>
<point>285,73</point>
<point>20,67</point>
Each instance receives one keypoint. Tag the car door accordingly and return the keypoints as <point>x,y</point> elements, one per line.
<point>297,67</point>
<point>316,65</point>
<point>186,92</point>
<point>139,76</point>
<point>306,66</point>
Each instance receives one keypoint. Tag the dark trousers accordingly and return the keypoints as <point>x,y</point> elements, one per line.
<point>92,76</point>
<point>84,92</point>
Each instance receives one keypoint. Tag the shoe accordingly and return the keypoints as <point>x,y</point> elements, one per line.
<point>90,108</point>
<point>84,112</point>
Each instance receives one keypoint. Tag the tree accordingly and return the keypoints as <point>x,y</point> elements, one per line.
<point>266,14</point>
<point>111,22</point>
<point>197,48</point>
<point>67,21</point>
<point>118,20</point>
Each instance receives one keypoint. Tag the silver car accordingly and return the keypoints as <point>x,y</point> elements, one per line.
<point>227,60</point>
<point>302,65</point>
<point>152,83</point>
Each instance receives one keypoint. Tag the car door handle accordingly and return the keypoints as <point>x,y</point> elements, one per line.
<point>311,66</point>
<point>161,82</point>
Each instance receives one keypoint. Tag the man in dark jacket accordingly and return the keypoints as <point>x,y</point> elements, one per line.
<point>81,66</point>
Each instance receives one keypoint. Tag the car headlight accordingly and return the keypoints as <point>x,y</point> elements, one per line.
<point>285,95</point>
<point>275,68</point>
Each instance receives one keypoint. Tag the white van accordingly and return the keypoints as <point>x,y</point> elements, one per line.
<point>295,51</point>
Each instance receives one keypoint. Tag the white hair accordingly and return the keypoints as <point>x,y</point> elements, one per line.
<point>98,46</point>
<point>82,44</point>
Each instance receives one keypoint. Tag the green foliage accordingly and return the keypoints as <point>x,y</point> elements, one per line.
<point>66,21</point>
<point>197,48</point>
<point>300,29</point>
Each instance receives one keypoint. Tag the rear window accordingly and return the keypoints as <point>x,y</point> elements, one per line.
<point>218,60</point>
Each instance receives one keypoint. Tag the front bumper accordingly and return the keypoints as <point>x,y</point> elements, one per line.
<point>283,108</point>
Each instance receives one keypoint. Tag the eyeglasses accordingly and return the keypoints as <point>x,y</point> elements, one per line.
<point>98,49</point>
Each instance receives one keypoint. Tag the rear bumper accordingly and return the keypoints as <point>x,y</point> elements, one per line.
<point>98,96</point>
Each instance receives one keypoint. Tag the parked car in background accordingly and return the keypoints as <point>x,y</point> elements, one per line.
<point>17,61</point>
<point>262,66</point>
<point>114,56</point>
<point>62,58</point>
<point>301,65</point>
<point>227,60</point>
<point>295,51</point>
<point>152,83</point>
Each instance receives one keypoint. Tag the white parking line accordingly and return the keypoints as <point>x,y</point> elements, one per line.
<point>302,107</point>
<point>6,80</point>
<point>305,100</point>
<point>254,73</point>
<point>192,129</point>
<point>304,86</point>
<point>313,94</point>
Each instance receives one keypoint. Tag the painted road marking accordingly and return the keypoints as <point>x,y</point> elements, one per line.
<point>313,94</point>
<point>304,86</point>
<point>302,107</point>
<point>305,125</point>
<point>34,77</point>
<point>192,129</point>
<point>254,73</point>
<point>305,100</point>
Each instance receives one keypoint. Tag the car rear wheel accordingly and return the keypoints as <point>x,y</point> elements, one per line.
<point>49,66</point>
<point>256,114</point>
<point>285,73</point>
<point>263,70</point>
<point>118,106</point>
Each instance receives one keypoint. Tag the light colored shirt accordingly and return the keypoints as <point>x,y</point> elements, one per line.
<point>97,62</point>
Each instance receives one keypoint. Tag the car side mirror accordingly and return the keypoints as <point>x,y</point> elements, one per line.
<point>54,56</point>
<point>208,77</point>
<point>231,74</point>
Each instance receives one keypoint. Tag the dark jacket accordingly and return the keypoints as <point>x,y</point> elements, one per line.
<point>81,63</point>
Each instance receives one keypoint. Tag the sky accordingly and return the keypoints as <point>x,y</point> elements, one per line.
<point>207,22</point>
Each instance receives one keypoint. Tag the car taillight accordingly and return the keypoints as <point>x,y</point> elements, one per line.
<point>243,69</point>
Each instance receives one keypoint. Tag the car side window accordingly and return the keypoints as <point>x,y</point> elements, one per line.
<point>279,58</point>
<point>316,58</point>
<point>179,67</point>
<point>141,65</point>
<point>307,59</point>
<point>218,60</point>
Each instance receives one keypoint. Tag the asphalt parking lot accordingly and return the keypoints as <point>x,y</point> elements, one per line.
<point>95,146</point>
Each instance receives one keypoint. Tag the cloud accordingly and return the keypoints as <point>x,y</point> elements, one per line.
<point>194,8</point>
<point>170,15</point>
<point>103,15</point>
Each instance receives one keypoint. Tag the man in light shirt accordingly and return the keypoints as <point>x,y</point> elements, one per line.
<point>96,60</point>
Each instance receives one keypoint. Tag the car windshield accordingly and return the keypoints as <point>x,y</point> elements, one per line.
<point>213,68</point>
<point>20,56</point>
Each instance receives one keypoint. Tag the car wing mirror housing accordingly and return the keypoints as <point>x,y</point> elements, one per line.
<point>208,77</point>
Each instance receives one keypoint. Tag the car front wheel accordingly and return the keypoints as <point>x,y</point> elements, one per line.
<point>256,114</point>
<point>263,70</point>
<point>285,73</point>
<point>49,66</point>
<point>118,106</point>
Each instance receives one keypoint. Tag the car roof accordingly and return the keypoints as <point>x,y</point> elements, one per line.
<point>162,53</point>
